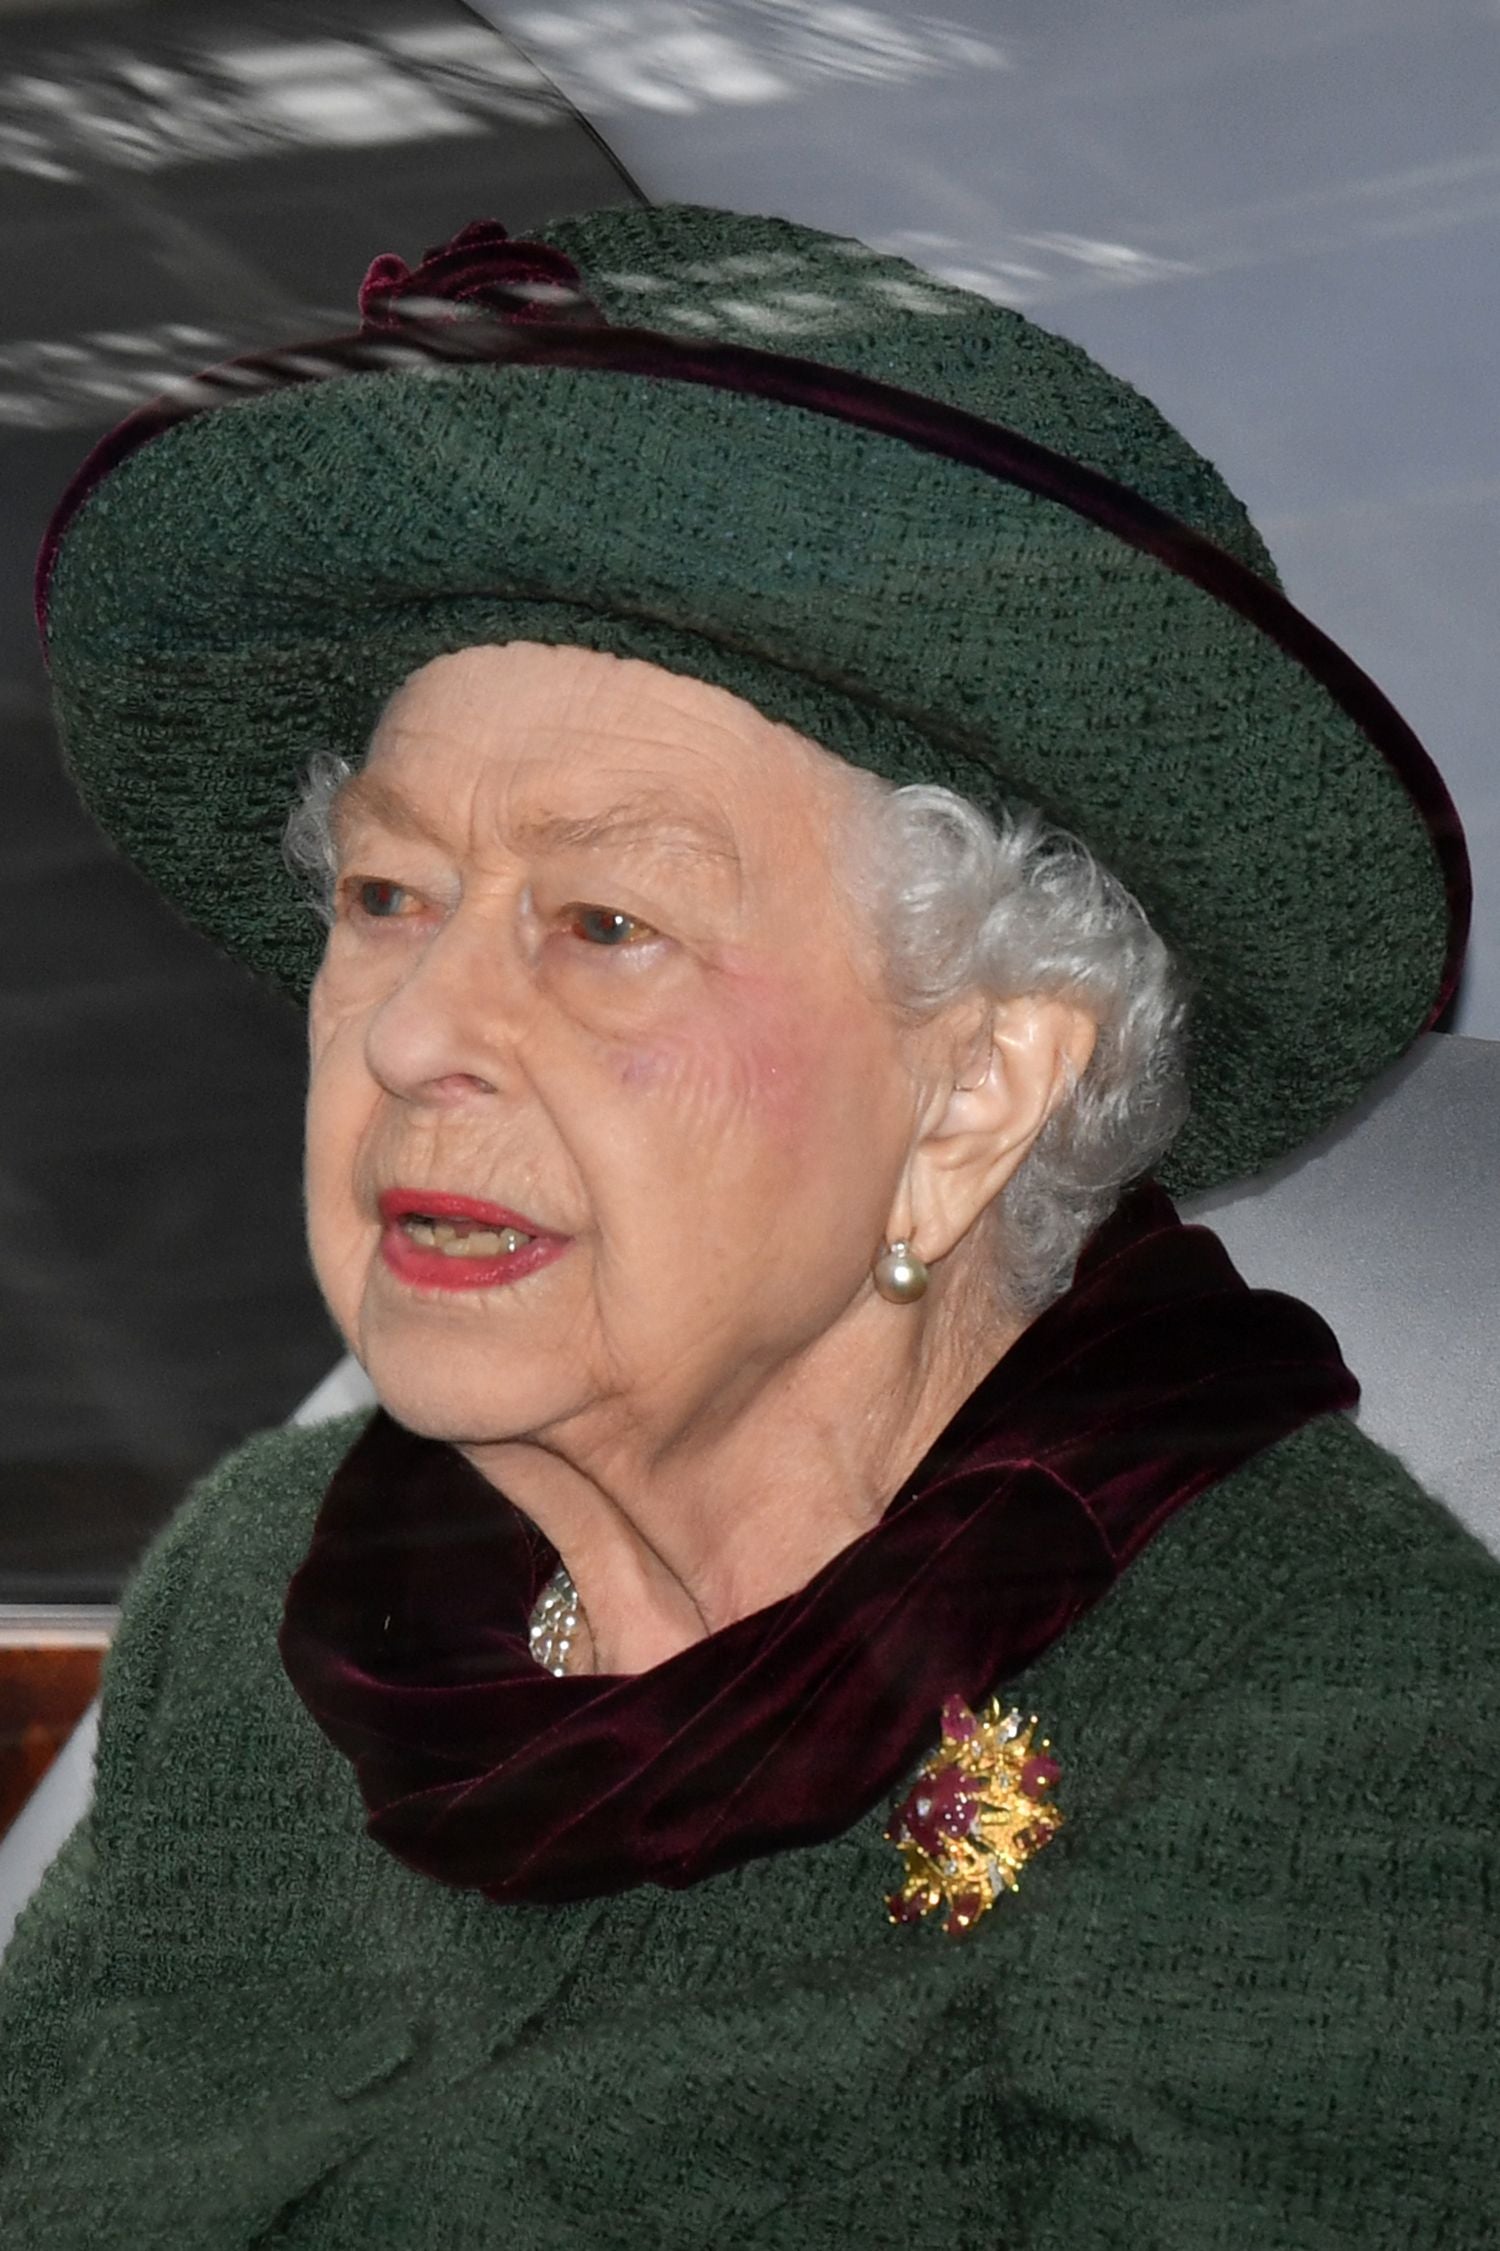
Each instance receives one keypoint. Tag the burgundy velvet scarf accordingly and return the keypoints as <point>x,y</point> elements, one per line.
<point>405,1631</point>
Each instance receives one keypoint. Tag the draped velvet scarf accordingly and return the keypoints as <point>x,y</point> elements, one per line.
<point>406,1627</point>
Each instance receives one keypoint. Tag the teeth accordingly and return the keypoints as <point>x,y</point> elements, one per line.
<point>483,1244</point>
<point>457,1241</point>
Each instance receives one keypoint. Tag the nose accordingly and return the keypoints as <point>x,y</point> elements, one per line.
<point>447,1032</point>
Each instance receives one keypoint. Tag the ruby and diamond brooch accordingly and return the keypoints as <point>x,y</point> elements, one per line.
<point>975,1815</point>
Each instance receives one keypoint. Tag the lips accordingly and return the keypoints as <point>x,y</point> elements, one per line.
<point>436,1241</point>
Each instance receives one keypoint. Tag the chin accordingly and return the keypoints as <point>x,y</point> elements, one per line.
<point>473,1395</point>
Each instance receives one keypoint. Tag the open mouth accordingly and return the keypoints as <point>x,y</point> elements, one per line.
<point>441,1242</point>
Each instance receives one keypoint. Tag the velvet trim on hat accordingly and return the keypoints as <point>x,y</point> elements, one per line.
<point>406,1627</point>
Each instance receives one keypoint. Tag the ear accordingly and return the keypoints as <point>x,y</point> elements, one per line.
<point>1001,1084</point>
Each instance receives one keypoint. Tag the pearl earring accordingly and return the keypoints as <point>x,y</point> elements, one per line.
<point>899,1274</point>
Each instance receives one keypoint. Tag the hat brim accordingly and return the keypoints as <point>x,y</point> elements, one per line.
<point>232,587</point>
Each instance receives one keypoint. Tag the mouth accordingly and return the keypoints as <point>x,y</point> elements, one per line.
<point>435,1241</point>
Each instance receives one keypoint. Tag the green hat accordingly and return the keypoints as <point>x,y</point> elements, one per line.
<point>904,520</point>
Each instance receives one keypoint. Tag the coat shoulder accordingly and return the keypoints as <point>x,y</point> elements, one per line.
<point>206,1595</point>
<point>1328,1538</point>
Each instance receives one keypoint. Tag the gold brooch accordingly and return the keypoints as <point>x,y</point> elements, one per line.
<point>976,1813</point>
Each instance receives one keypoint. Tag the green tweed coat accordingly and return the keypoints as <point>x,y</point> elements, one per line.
<point>1246,1999</point>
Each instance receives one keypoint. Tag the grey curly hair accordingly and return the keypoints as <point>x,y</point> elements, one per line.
<point>962,903</point>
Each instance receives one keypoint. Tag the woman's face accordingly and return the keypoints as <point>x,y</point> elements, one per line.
<point>590,967</point>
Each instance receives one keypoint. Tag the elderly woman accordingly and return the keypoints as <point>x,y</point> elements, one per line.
<point>859,1687</point>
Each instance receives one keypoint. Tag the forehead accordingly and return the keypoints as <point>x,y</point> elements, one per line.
<point>543,735</point>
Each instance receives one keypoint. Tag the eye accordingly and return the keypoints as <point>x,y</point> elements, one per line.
<point>374,898</point>
<point>604,926</point>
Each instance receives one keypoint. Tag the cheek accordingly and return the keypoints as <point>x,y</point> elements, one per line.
<point>703,1080</point>
<point>762,1063</point>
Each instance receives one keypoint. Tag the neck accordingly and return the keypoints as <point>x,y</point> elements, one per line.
<point>670,1535</point>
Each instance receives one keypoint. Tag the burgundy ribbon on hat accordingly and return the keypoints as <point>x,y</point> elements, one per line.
<point>484,268</point>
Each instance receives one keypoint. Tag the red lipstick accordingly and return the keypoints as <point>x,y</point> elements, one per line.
<point>427,1267</point>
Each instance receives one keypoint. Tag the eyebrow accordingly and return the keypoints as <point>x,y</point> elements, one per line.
<point>642,819</point>
<point>366,794</point>
<point>646,817</point>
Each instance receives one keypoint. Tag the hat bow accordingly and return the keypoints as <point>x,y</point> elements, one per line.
<point>482,271</point>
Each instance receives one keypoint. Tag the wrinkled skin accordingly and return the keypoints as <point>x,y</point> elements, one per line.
<point>699,1082</point>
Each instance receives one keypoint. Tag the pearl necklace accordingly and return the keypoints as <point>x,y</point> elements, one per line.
<point>554,1622</point>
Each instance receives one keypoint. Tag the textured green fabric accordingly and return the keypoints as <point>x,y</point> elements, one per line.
<point>1244,2002</point>
<point>247,589</point>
